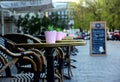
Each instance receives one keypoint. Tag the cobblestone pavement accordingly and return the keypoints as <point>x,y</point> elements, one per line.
<point>97,68</point>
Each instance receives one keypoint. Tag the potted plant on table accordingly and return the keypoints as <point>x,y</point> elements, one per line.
<point>50,34</point>
<point>59,34</point>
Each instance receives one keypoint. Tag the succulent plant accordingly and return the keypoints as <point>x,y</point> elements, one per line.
<point>50,27</point>
<point>58,29</point>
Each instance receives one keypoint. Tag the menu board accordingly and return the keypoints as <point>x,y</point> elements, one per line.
<point>98,38</point>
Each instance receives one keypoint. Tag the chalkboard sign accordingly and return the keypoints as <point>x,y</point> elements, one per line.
<point>98,38</point>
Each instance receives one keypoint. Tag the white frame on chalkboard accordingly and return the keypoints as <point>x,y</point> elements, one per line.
<point>94,22</point>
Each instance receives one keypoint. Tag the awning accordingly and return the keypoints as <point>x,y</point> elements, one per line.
<point>18,4</point>
<point>26,5</point>
<point>22,6</point>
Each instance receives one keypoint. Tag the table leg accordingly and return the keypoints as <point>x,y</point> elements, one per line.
<point>50,64</point>
<point>60,67</point>
<point>68,62</point>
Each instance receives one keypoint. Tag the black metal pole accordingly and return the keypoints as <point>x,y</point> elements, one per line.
<point>50,64</point>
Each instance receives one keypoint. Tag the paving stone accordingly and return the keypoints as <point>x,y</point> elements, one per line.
<point>97,69</point>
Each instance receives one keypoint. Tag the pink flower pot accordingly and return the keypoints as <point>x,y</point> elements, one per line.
<point>50,36</point>
<point>59,36</point>
<point>63,35</point>
<point>71,35</point>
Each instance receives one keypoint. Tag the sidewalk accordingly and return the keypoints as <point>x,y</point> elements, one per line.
<point>97,68</point>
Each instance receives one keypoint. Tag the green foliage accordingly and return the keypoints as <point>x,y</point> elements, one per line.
<point>29,24</point>
<point>18,22</point>
<point>50,28</point>
<point>32,24</point>
<point>46,21</point>
<point>58,29</point>
<point>56,21</point>
<point>97,10</point>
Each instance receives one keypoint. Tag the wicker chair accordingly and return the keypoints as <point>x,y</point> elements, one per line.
<point>8,59</point>
<point>25,38</point>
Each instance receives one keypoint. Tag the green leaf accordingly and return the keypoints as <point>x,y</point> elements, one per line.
<point>50,28</point>
<point>58,29</point>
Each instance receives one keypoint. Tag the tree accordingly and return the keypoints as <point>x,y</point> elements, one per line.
<point>80,15</point>
<point>97,10</point>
